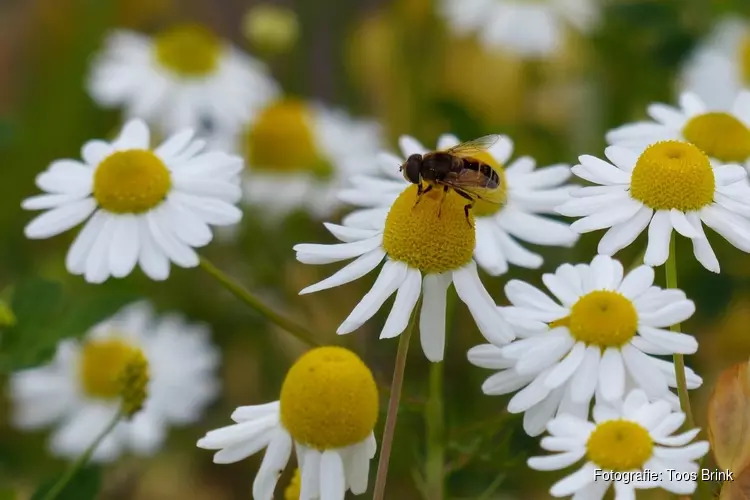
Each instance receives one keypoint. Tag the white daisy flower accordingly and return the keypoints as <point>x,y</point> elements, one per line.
<point>327,412</point>
<point>146,207</point>
<point>426,247</point>
<point>720,66</point>
<point>630,445</point>
<point>723,135</point>
<point>602,333</point>
<point>299,155</point>
<point>185,77</point>
<point>529,195</point>
<point>78,391</point>
<point>670,185</point>
<point>529,29</point>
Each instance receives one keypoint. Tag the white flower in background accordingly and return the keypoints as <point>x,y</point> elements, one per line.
<point>426,247</point>
<point>529,195</point>
<point>669,185</point>
<point>143,206</point>
<point>78,392</point>
<point>723,135</point>
<point>603,331</point>
<point>626,437</point>
<point>327,412</point>
<point>185,77</point>
<point>529,29</point>
<point>720,66</point>
<point>299,155</point>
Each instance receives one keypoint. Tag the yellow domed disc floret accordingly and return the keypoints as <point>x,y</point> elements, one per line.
<point>329,399</point>
<point>720,136</point>
<point>132,181</point>
<point>673,175</point>
<point>602,318</point>
<point>101,366</point>
<point>619,445</point>
<point>189,50</point>
<point>481,207</point>
<point>416,235</point>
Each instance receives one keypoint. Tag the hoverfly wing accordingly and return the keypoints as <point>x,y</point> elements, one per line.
<point>475,184</point>
<point>469,148</point>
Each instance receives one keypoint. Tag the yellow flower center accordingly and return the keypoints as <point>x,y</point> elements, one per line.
<point>417,236</point>
<point>132,181</point>
<point>481,207</point>
<point>602,318</point>
<point>271,27</point>
<point>673,174</point>
<point>295,485</point>
<point>189,50</point>
<point>745,59</point>
<point>101,367</point>
<point>282,139</point>
<point>329,399</point>
<point>619,445</point>
<point>720,136</point>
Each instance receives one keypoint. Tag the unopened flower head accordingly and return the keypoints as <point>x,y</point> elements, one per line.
<point>528,195</point>
<point>327,412</point>
<point>292,492</point>
<point>598,337</point>
<point>626,437</point>
<point>271,28</point>
<point>184,77</point>
<point>669,185</point>
<point>144,206</point>
<point>528,29</point>
<point>427,246</point>
<point>158,372</point>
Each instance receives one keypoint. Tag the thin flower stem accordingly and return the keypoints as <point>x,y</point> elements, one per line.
<point>300,332</point>
<point>393,403</point>
<point>679,360</point>
<point>81,462</point>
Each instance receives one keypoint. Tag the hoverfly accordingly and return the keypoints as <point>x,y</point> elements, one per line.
<point>456,168</point>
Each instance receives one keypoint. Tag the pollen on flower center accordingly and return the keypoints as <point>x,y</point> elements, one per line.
<point>673,174</point>
<point>602,318</point>
<point>619,445</point>
<point>101,366</point>
<point>282,139</point>
<point>483,208</point>
<point>188,50</point>
<point>131,181</point>
<point>329,399</point>
<point>720,136</point>
<point>417,236</point>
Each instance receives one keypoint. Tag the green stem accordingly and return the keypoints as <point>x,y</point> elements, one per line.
<point>300,332</point>
<point>435,464</point>
<point>679,360</point>
<point>393,403</point>
<point>58,487</point>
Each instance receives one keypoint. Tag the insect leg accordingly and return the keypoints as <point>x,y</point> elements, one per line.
<point>442,199</point>
<point>420,193</point>
<point>468,206</point>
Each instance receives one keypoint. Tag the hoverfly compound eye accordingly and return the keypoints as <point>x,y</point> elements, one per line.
<point>412,167</point>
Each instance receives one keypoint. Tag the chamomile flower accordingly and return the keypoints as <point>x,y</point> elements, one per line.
<point>669,185</point>
<point>720,66</point>
<point>78,392</point>
<point>299,155</point>
<point>185,77</point>
<point>426,247</point>
<point>529,29</point>
<point>327,412</point>
<point>528,194</point>
<point>144,206</point>
<point>627,437</point>
<point>602,332</point>
<point>722,135</point>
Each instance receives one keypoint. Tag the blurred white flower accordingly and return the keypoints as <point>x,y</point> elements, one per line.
<point>78,391</point>
<point>600,339</point>
<point>530,29</point>
<point>529,195</point>
<point>626,438</point>
<point>720,66</point>
<point>185,77</point>
<point>299,155</point>
<point>149,207</point>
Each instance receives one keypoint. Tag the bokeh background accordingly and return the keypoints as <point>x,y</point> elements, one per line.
<point>392,61</point>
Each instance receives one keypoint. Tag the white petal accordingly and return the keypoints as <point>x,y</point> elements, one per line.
<point>432,315</point>
<point>178,252</point>
<point>678,440</point>
<point>75,261</point>
<point>556,462</point>
<point>544,355</point>
<point>688,453</point>
<point>637,282</point>
<point>349,234</point>
<point>574,482</point>
<point>332,480</point>
<point>134,135</point>
<point>123,252</point>
<point>406,299</point>
<point>310,473</point>
<point>357,469</point>
<point>646,375</point>
<point>672,314</point>
<point>621,235</point>
<point>611,374</point>
<point>681,224</point>
<point>677,342</point>
<point>567,367</point>
<point>327,254</point>
<point>60,219</point>
<point>351,272</point>
<point>701,247</point>
<point>472,292</point>
<point>607,218</point>
<point>584,382</point>
<point>274,462</point>
<point>535,392</point>
<point>659,234</point>
<point>488,356</point>
<point>151,257</point>
<point>505,382</point>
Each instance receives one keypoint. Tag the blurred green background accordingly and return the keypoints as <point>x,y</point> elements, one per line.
<point>393,61</point>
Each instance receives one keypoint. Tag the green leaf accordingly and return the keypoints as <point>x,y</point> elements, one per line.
<point>84,485</point>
